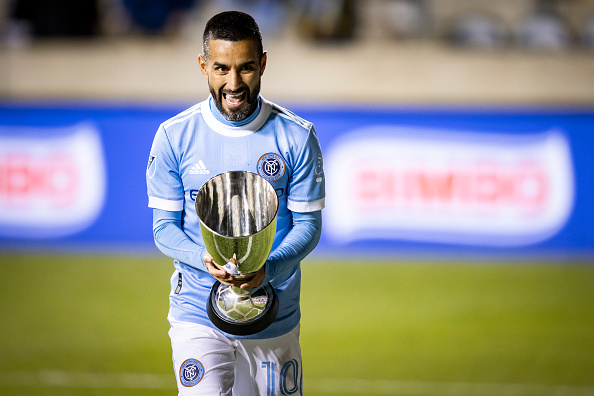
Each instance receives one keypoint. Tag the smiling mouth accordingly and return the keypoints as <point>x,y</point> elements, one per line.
<point>234,99</point>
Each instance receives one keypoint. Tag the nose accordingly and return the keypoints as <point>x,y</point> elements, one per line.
<point>234,81</point>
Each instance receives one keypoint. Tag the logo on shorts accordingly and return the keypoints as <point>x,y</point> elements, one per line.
<point>191,372</point>
<point>271,167</point>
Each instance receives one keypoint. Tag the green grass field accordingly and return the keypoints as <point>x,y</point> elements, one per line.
<point>96,325</point>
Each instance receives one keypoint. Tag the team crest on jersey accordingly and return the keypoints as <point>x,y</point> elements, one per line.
<point>191,372</point>
<point>271,167</point>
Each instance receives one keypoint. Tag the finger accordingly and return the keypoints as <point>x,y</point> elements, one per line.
<point>216,271</point>
<point>255,280</point>
<point>209,266</point>
<point>225,278</point>
<point>227,282</point>
<point>217,267</point>
<point>251,283</point>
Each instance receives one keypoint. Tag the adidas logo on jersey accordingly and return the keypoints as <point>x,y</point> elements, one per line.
<point>199,169</point>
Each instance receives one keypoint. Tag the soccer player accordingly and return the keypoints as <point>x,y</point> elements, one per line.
<point>235,129</point>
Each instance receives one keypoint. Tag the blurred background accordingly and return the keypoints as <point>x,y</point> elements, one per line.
<point>457,139</point>
<point>465,126</point>
<point>378,51</point>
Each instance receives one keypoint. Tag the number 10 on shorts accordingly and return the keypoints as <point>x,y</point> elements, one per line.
<point>289,377</point>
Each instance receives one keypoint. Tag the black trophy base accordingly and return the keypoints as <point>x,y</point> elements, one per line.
<point>250,315</point>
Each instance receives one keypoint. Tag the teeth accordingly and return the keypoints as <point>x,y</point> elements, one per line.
<point>233,99</point>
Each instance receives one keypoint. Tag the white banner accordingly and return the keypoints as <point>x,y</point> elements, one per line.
<point>440,186</point>
<point>52,180</point>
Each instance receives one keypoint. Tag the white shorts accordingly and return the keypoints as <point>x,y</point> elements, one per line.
<point>206,362</point>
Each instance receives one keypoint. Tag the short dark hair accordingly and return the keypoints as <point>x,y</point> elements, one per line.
<point>231,26</point>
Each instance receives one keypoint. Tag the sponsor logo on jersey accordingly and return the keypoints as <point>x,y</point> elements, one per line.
<point>271,167</point>
<point>191,372</point>
<point>52,180</point>
<point>199,169</point>
<point>450,187</point>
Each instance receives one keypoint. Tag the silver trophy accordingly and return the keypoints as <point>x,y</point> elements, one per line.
<point>237,212</point>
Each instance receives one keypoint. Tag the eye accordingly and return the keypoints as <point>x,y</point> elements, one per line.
<point>248,68</point>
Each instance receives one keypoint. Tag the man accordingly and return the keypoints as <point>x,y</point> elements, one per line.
<point>235,129</point>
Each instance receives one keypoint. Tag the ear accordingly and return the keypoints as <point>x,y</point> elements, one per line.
<point>263,63</point>
<point>203,65</point>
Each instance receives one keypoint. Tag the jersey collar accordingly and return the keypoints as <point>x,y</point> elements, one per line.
<point>238,131</point>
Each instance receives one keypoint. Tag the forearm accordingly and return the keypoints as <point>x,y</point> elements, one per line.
<point>299,242</point>
<point>173,241</point>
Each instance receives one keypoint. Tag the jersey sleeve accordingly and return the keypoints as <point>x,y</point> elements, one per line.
<point>164,185</point>
<point>307,190</point>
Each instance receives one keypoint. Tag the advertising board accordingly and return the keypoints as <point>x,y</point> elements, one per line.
<point>435,186</point>
<point>420,180</point>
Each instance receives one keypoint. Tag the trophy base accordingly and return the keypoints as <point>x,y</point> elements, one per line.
<point>239,312</point>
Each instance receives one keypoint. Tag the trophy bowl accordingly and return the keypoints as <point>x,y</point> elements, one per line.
<point>237,212</point>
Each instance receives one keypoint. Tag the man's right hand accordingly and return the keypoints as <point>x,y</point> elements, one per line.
<point>220,274</point>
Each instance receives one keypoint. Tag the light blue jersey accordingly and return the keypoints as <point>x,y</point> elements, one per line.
<point>197,145</point>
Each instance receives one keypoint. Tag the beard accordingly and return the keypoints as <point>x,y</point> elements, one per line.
<point>251,98</point>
